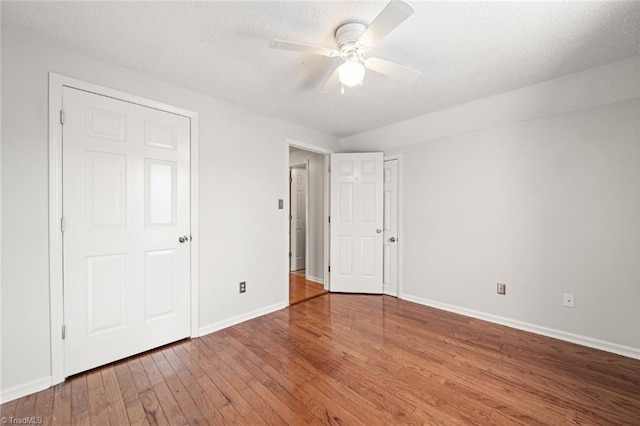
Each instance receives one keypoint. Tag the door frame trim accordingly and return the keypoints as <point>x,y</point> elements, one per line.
<point>56,299</point>
<point>398,157</point>
<point>327,161</point>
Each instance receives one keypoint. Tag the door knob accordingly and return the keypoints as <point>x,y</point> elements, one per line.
<point>378,230</point>
<point>183,239</point>
<point>392,239</point>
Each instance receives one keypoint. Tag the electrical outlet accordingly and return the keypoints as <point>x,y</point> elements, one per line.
<point>568,300</point>
<point>243,286</point>
<point>502,288</point>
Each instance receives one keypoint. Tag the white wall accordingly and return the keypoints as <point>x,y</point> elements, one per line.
<point>597,86</point>
<point>545,200</point>
<point>315,213</point>
<point>242,233</point>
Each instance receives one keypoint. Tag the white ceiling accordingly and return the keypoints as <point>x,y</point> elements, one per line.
<point>466,51</point>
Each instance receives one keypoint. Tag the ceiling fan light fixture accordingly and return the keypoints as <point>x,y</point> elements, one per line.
<point>354,40</point>
<point>351,73</point>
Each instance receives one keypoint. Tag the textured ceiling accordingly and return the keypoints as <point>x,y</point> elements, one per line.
<point>465,51</point>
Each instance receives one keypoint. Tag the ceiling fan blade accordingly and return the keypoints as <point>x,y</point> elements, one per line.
<point>332,84</point>
<point>393,70</point>
<point>303,48</point>
<point>320,78</point>
<point>395,13</point>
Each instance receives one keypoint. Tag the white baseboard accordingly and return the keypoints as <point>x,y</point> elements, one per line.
<point>25,389</point>
<point>314,279</point>
<point>533,328</point>
<point>34,386</point>
<point>241,318</point>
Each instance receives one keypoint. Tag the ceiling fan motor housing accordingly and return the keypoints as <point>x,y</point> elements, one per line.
<point>347,36</point>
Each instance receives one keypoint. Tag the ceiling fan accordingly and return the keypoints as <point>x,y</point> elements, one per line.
<point>354,40</point>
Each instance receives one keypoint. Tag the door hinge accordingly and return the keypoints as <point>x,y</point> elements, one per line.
<point>329,169</point>
<point>329,268</point>
<point>289,254</point>
<point>62,224</point>
<point>329,219</point>
<point>61,116</point>
<point>64,332</point>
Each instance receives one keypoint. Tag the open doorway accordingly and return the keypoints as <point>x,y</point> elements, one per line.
<point>298,218</point>
<point>308,216</point>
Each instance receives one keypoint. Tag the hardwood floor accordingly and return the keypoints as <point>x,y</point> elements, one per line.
<point>301,289</point>
<point>352,359</point>
<point>300,272</point>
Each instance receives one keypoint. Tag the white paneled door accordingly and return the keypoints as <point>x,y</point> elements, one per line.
<point>126,232</point>
<point>298,218</point>
<point>356,223</point>
<point>390,228</point>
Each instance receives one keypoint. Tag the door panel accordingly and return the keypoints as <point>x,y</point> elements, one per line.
<point>105,124</point>
<point>390,248</point>
<point>356,225</point>
<point>106,290</point>
<point>346,202</point>
<point>160,135</point>
<point>160,193</point>
<point>160,283</point>
<point>125,203</point>
<point>106,192</point>
<point>345,251</point>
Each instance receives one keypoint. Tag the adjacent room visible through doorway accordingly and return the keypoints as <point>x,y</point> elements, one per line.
<point>307,224</point>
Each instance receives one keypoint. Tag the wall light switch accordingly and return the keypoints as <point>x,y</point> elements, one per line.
<point>280,204</point>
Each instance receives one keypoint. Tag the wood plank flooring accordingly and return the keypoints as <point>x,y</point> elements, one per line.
<point>352,359</point>
<point>301,289</point>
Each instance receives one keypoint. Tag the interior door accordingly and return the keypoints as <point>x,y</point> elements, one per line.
<point>298,218</point>
<point>356,223</point>
<point>126,229</point>
<point>390,228</point>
